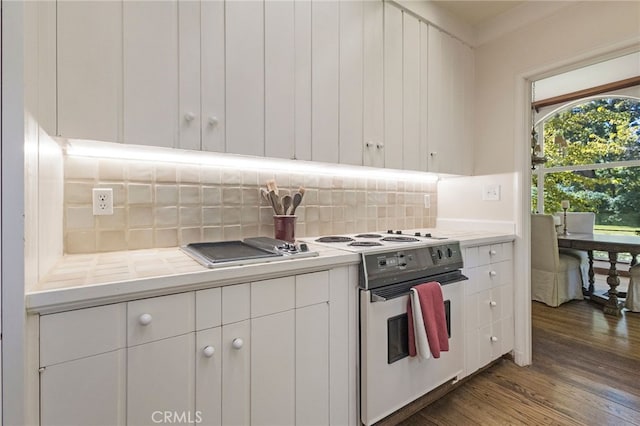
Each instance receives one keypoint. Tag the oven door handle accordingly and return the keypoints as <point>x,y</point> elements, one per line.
<point>383,294</point>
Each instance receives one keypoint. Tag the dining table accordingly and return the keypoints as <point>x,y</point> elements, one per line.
<point>613,245</point>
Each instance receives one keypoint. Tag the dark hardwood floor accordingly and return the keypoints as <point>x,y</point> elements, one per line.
<point>585,371</point>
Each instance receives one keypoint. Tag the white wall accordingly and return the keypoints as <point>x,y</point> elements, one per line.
<point>461,198</point>
<point>574,33</point>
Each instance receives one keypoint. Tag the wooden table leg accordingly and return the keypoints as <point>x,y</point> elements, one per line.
<point>592,279</point>
<point>613,306</point>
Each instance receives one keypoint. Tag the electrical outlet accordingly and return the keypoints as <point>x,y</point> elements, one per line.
<point>427,201</point>
<point>491,192</point>
<point>102,201</point>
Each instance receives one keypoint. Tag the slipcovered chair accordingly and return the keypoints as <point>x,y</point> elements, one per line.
<point>555,277</point>
<point>633,292</point>
<point>580,223</point>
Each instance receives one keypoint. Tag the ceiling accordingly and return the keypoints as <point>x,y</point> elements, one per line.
<point>476,12</point>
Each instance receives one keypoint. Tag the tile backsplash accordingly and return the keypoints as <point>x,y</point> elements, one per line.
<point>161,204</point>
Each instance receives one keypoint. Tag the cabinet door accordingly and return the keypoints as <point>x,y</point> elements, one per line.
<point>302,39</point>
<point>437,98</point>
<point>87,391</point>
<point>89,70</point>
<point>150,35</point>
<point>273,369</point>
<point>373,83</point>
<point>212,80</point>
<point>236,374</point>
<point>209,376</point>
<point>189,74</point>
<point>312,365</point>
<point>411,93</point>
<point>161,377</point>
<point>325,81</point>
<point>279,78</point>
<point>244,51</point>
<point>350,122</point>
<point>424,97</point>
<point>392,87</point>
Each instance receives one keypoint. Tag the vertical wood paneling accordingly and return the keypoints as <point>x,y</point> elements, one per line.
<point>436,99</point>
<point>189,74</point>
<point>393,92</point>
<point>373,82</point>
<point>302,42</point>
<point>212,78</point>
<point>351,59</point>
<point>245,77</point>
<point>325,81</point>
<point>411,93</point>
<point>89,69</point>
<point>279,76</point>
<point>424,96</point>
<point>151,73</point>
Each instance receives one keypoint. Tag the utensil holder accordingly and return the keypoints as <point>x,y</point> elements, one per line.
<point>284,227</point>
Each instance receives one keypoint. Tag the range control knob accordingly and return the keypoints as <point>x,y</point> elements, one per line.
<point>304,247</point>
<point>427,234</point>
<point>399,232</point>
<point>417,234</point>
<point>389,231</point>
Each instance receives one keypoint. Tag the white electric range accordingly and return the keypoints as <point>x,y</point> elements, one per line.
<point>392,263</point>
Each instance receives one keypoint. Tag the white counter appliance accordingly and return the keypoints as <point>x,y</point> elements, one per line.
<point>392,263</point>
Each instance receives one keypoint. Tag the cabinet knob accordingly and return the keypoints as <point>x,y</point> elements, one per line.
<point>208,351</point>
<point>189,116</point>
<point>380,145</point>
<point>213,121</point>
<point>493,303</point>
<point>492,252</point>
<point>368,144</point>
<point>433,154</point>
<point>494,339</point>
<point>493,273</point>
<point>145,319</point>
<point>237,343</point>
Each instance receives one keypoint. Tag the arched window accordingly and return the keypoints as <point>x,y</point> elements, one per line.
<point>592,147</point>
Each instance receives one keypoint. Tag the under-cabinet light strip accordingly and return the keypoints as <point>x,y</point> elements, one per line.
<point>96,149</point>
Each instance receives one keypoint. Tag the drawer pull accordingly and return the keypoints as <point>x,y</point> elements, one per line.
<point>494,339</point>
<point>493,304</point>
<point>493,273</point>
<point>237,343</point>
<point>208,351</point>
<point>145,319</point>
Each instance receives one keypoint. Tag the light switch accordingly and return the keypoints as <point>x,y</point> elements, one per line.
<point>491,192</point>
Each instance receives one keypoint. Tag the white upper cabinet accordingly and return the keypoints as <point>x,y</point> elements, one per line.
<point>393,103</point>
<point>325,61</point>
<point>244,52</point>
<point>373,81</point>
<point>89,64</point>
<point>212,82</point>
<point>450,114</point>
<point>411,93</point>
<point>150,73</point>
<point>353,82</point>
<point>351,74</point>
<point>279,78</point>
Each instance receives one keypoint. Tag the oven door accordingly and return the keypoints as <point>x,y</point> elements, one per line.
<point>389,378</point>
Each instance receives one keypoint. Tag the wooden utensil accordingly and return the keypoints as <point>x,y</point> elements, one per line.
<point>297,199</point>
<point>286,203</point>
<point>275,202</point>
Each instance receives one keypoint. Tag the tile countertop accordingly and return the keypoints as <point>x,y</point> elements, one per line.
<point>84,280</point>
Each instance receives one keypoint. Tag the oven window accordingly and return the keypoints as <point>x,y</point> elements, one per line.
<point>398,334</point>
<point>397,338</point>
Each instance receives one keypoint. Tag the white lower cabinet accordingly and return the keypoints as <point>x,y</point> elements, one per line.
<point>87,391</point>
<point>489,325</point>
<point>258,353</point>
<point>160,382</point>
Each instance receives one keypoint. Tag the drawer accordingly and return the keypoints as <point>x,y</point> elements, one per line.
<point>271,296</point>
<point>160,317</point>
<point>312,288</point>
<point>236,303</point>
<point>84,332</point>
<point>208,308</point>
